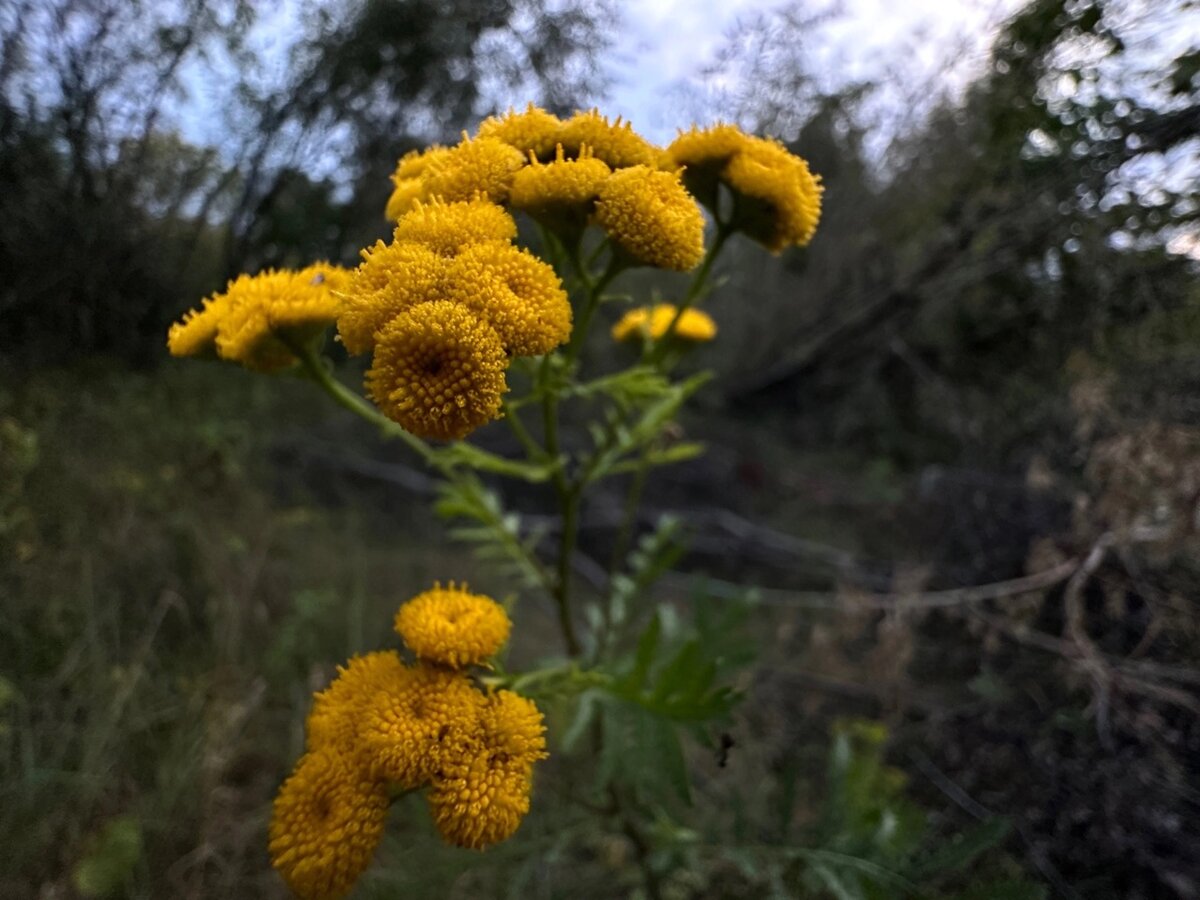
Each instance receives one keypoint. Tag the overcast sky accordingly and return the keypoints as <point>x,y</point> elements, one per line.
<point>667,43</point>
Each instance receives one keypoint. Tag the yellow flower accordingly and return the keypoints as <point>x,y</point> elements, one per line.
<point>476,166</point>
<point>533,131</point>
<point>643,323</point>
<point>482,792</point>
<point>703,153</point>
<point>778,200</point>
<point>406,733</point>
<point>409,181</point>
<point>452,626</point>
<point>326,823</point>
<point>196,333</point>
<point>438,371</point>
<point>333,722</point>
<point>406,194</point>
<point>516,293</point>
<point>447,228</point>
<point>616,143</point>
<point>561,187</point>
<point>392,278</point>
<point>650,215</point>
<point>706,146</point>
<point>273,304</point>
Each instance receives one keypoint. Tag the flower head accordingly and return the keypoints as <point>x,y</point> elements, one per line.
<point>448,228</point>
<point>326,823</point>
<point>516,293</point>
<point>409,182</point>
<point>407,193</point>
<point>196,333</point>
<point>438,370</point>
<point>481,793</point>
<point>653,219</point>
<point>616,143</point>
<point>533,131</point>
<point>406,733</point>
<point>778,200</point>
<point>703,153</point>
<point>475,166</point>
<point>333,722</point>
<point>452,626</point>
<point>653,322</point>
<point>265,312</point>
<point>560,188</point>
<point>392,278</point>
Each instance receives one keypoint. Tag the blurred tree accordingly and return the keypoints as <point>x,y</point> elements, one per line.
<point>375,78</point>
<point>1044,210</point>
<point>111,221</point>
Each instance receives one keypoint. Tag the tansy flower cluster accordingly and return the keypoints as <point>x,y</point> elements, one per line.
<point>652,322</point>
<point>384,726</point>
<point>566,174</point>
<point>776,199</point>
<point>443,308</point>
<point>258,319</point>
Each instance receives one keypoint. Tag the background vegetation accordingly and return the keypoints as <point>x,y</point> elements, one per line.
<point>955,442</point>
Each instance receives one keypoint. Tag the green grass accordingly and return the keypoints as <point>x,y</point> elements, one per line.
<point>169,605</point>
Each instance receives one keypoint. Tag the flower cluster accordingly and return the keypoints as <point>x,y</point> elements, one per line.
<point>652,322</point>
<point>259,319</point>
<point>384,726</point>
<point>443,308</point>
<point>777,200</point>
<point>451,300</point>
<point>566,173</point>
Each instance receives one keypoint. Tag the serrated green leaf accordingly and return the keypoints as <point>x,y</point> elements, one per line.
<point>644,657</point>
<point>460,453</point>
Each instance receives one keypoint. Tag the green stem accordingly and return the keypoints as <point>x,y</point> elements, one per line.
<point>317,368</point>
<point>532,451</point>
<point>695,289</point>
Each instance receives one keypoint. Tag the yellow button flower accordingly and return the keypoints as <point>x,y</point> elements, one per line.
<point>514,292</point>
<point>406,733</point>
<point>650,216</point>
<point>482,792</point>
<point>196,333</point>
<point>438,370</point>
<point>392,278</point>
<point>325,825</point>
<point>560,188</point>
<point>448,228</point>
<point>778,199</point>
<point>475,166</point>
<point>703,154</point>
<point>653,322</point>
<point>533,131</point>
<point>408,181</point>
<point>452,626</point>
<point>616,143</point>
<point>333,722</point>
<point>246,322</point>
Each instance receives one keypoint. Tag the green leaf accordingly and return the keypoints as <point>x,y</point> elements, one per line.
<point>460,453</point>
<point>676,453</point>
<point>494,532</point>
<point>110,862</point>
<point>647,645</point>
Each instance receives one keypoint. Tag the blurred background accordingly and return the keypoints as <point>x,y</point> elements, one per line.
<point>954,443</point>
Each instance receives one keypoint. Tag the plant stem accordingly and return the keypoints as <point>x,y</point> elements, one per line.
<point>695,289</point>
<point>317,369</point>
